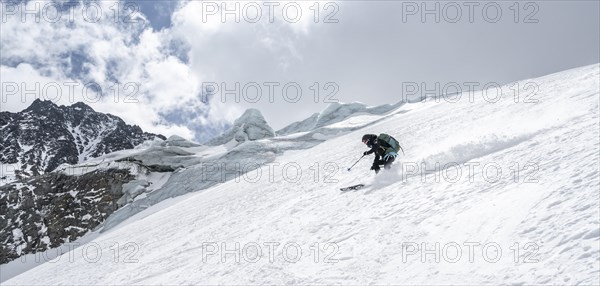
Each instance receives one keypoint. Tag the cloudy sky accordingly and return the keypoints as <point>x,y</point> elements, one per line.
<point>164,65</point>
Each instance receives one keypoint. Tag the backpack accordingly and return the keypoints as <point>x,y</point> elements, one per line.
<point>390,141</point>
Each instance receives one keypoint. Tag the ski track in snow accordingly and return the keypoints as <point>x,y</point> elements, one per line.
<point>363,235</point>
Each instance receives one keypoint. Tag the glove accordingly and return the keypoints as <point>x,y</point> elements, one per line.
<point>366,153</point>
<point>390,155</point>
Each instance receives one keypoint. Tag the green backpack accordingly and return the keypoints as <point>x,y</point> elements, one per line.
<point>391,141</point>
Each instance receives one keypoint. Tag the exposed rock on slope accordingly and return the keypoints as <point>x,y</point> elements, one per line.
<point>52,209</point>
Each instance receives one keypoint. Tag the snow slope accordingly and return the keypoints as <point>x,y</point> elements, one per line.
<point>515,200</point>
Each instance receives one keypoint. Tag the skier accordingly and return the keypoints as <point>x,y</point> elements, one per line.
<point>385,148</point>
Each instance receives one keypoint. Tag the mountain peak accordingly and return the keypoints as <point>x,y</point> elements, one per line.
<point>39,105</point>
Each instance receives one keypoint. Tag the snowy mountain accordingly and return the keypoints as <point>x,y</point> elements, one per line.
<point>489,192</point>
<point>43,136</point>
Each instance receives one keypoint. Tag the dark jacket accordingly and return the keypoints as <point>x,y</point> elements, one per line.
<point>377,147</point>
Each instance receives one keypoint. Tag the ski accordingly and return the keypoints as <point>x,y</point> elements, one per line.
<point>355,187</point>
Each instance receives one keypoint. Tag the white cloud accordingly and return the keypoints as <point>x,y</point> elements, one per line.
<point>114,54</point>
<point>110,53</point>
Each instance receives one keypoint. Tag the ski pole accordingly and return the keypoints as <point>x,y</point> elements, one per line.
<point>356,162</point>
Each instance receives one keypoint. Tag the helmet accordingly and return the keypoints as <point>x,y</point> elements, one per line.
<point>369,139</point>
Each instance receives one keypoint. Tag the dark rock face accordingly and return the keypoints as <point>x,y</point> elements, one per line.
<point>43,136</point>
<point>49,210</point>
